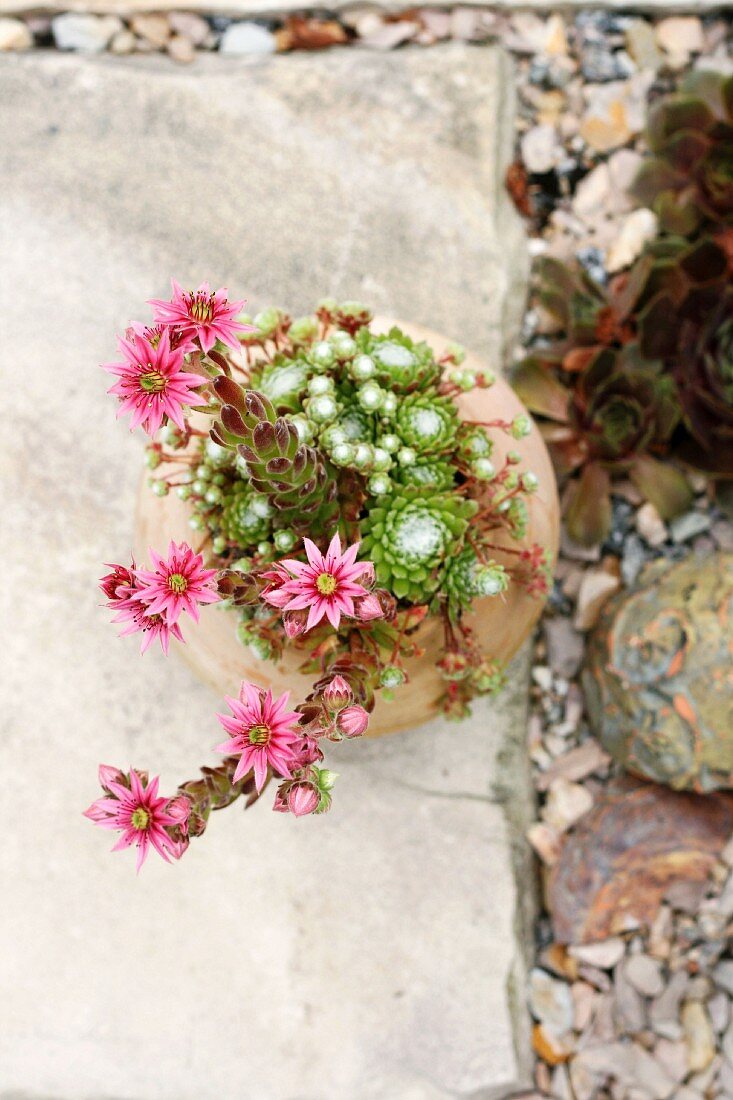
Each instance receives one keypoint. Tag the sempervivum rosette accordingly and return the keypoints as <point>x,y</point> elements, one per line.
<point>410,536</point>
<point>427,424</point>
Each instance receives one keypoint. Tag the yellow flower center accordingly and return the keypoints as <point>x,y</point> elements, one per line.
<point>259,735</point>
<point>152,382</point>
<point>201,306</point>
<point>177,583</point>
<point>326,584</point>
<point>140,819</point>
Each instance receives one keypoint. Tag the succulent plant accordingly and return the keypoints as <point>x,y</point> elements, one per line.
<point>428,424</point>
<point>657,682</point>
<point>324,426</point>
<point>688,177</point>
<point>294,477</point>
<point>400,363</point>
<point>410,536</point>
<point>607,408</point>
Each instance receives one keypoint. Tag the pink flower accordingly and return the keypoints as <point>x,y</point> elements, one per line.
<point>137,615</point>
<point>352,722</point>
<point>206,315</point>
<point>152,382</point>
<point>338,694</point>
<point>132,807</point>
<point>119,585</point>
<point>325,585</point>
<point>179,584</point>
<point>262,733</point>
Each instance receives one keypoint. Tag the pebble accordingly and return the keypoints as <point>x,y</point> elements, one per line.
<point>124,42</point>
<point>599,64</point>
<point>551,1049</point>
<point>699,1035</point>
<point>584,999</point>
<point>630,1007</point>
<point>723,976</point>
<point>635,231</point>
<point>672,1055</point>
<point>83,32</point>
<point>190,26</point>
<point>566,803</point>
<point>540,149</point>
<point>247,38</point>
<point>604,954</point>
<point>545,841</point>
<point>14,35</point>
<point>664,1011</point>
<point>719,1009</point>
<point>650,525</point>
<point>576,764</point>
<point>645,974</point>
<point>680,34</point>
<point>596,588</point>
<point>181,49</point>
<point>688,525</point>
<point>390,35</point>
<point>641,42</point>
<point>633,560</point>
<point>551,1003</point>
<point>565,647</point>
<point>152,28</point>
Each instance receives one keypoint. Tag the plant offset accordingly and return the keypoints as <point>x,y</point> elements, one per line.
<point>337,499</point>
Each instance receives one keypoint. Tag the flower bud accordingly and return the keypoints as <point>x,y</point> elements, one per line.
<point>294,623</point>
<point>302,799</point>
<point>368,607</point>
<point>109,774</point>
<point>180,808</point>
<point>338,694</point>
<point>353,721</point>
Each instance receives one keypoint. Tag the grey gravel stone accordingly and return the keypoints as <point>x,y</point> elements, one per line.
<point>247,38</point>
<point>687,526</point>
<point>83,32</point>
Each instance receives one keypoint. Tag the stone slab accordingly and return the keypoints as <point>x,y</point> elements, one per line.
<point>375,953</point>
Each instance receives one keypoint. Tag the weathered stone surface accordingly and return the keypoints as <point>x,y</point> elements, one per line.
<point>368,953</point>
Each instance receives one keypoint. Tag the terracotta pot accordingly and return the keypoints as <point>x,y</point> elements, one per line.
<point>501,624</point>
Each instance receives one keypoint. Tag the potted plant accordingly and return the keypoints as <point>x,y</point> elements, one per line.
<point>376,522</point>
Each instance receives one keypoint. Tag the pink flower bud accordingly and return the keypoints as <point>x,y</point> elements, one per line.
<point>368,607</point>
<point>179,808</point>
<point>299,797</point>
<point>338,694</point>
<point>294,623</point>
<point>303,798</point>
<point>108,774</point>
<point>353,721</point>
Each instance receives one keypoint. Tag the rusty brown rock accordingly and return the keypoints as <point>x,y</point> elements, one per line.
<point>617,864</point>
<point>658,680</point>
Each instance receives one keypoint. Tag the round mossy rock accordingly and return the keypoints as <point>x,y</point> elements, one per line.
<point>658,681</point>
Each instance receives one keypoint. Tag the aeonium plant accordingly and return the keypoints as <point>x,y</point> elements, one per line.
<point>336,500</point>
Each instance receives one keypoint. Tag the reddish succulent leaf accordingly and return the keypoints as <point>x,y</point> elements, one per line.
<point>666,487</point>
<point>617,864</point>
<point>540,391</point>
<point>588,516</point>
